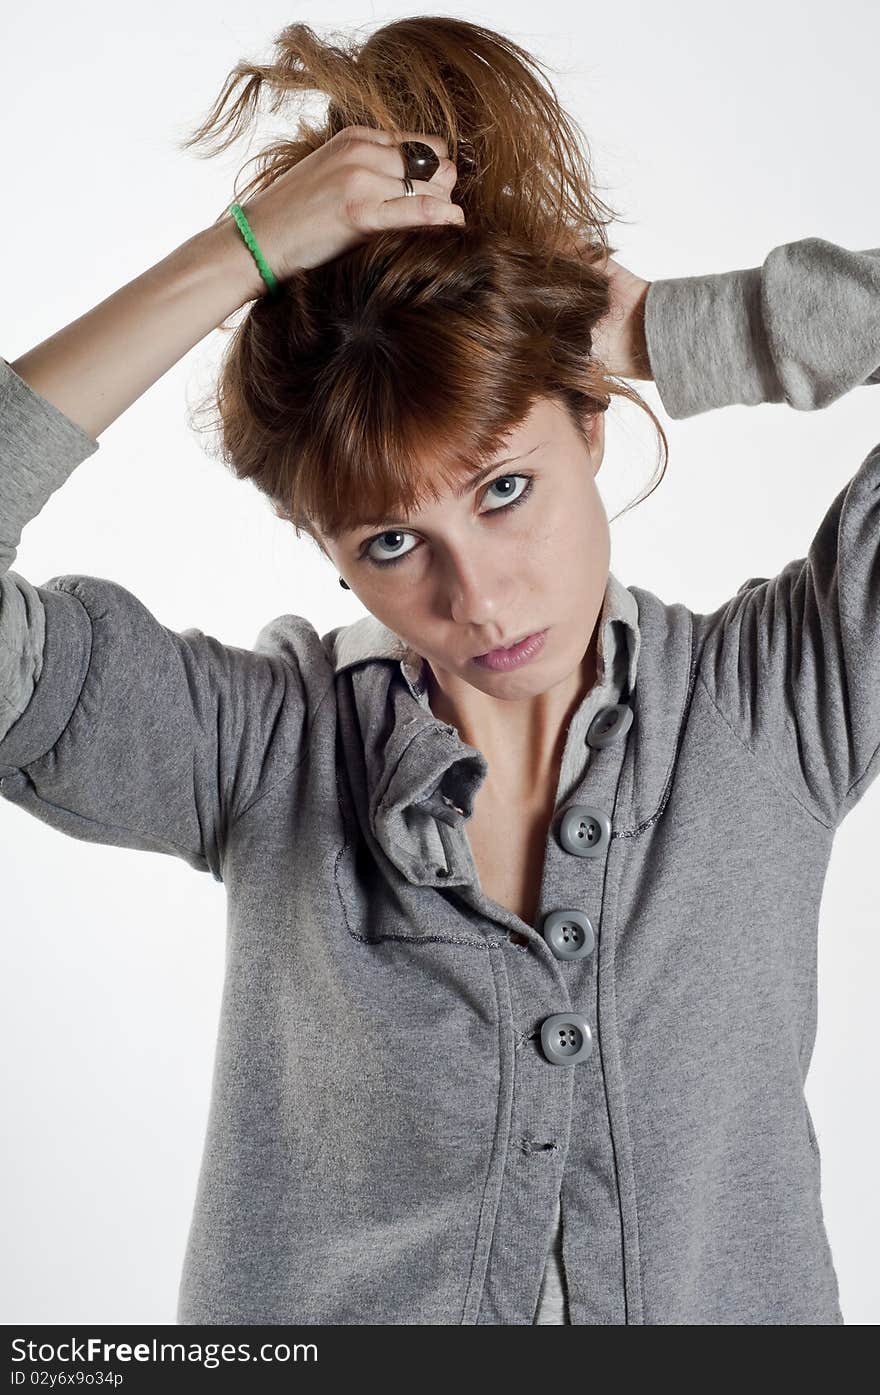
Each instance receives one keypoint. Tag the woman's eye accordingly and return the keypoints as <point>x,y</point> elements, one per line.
<point>507,496</point>
<point>506,500</point>
<point>384,538</point>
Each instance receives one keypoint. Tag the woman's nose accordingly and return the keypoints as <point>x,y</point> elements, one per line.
<point>477,595</point>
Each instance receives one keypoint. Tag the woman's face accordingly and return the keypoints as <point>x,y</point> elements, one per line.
<point>526,549</point>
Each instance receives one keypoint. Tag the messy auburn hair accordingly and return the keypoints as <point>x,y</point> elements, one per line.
<point>370,380</point>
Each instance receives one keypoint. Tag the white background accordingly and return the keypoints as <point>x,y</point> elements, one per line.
<point>718,133</point>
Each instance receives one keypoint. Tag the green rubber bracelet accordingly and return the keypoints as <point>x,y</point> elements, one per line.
<point>244,228</point>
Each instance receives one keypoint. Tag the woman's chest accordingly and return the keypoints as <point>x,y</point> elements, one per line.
<point>508,840</point>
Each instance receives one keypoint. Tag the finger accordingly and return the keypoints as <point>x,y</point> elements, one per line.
<point>378,136</point>
<point>415,210</point>
<point>388,160</point>
<point>391,186</point>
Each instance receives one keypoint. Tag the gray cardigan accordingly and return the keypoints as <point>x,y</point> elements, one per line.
<point>409,1079</point>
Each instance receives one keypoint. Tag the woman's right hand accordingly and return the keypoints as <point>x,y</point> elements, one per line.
<point>347,189</point>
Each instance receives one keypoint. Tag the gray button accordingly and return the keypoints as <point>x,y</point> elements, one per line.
<point>569,934</point>
<point>585,830</point>
<point>609,724</point>
<point>566,1038</point>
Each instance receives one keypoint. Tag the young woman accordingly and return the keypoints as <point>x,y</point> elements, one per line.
<point>524,867</point>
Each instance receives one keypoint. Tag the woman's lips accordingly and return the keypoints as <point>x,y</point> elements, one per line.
<point>516,655</point>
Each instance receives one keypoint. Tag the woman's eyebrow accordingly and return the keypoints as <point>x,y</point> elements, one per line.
<point>487,469</point>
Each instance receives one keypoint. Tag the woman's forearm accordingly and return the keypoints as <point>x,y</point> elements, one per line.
<point>93,369</point>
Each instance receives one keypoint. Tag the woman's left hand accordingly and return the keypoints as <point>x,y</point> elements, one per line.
<point>619,338</point>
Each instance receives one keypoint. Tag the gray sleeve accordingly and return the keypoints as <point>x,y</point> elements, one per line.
<point>803,328</point>
<point>39,448</point>
<point>114,728</point>
<point>792,661</point>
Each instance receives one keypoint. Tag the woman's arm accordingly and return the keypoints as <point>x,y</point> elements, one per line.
<point>803,328</point>
<point>97,366</point>
<point>792,661</point>
<point>327,203</point>
<point>115,728</point>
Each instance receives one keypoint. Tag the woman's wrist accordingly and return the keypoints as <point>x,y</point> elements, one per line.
<point>224,242</point>
<point>640,361</point>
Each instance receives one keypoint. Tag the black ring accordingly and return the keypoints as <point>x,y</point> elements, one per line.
<point>420,161</point>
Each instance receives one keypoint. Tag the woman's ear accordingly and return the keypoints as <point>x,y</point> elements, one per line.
<point>596,435</point>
